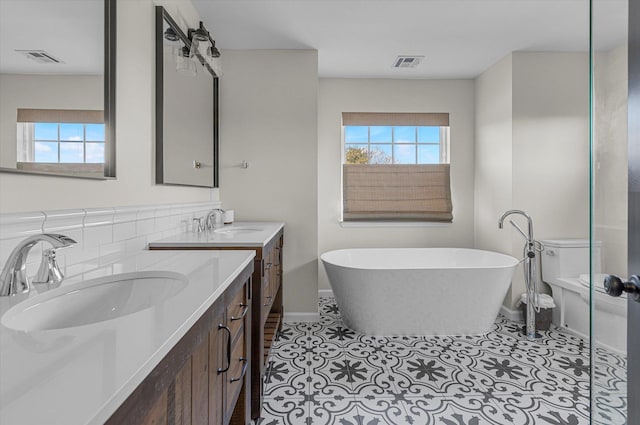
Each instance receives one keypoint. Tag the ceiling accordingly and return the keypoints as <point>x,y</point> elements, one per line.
<point>69,30</point>
<point>458,38</point>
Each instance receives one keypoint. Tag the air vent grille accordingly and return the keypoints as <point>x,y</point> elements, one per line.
<point>407,61</point>
<point>39,56</point>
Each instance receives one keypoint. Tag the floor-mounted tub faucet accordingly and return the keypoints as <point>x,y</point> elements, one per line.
<point>529,235</point>
<point>14,280</point>
<point>530,274</point>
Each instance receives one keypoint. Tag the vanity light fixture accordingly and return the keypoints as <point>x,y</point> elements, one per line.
<point>197,36</point>
<point>201,35</point>
<point>213,51</point>
<point>170,34</point>
<point>194,43</point>
<point>184,63</point>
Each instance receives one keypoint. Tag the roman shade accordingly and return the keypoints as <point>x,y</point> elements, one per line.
<point>395,118</point>
<point>61,116</point>
<point>397,192</point>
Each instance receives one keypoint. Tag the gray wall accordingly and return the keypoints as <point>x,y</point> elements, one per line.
<point>548,168</point>
<point>268,117</point>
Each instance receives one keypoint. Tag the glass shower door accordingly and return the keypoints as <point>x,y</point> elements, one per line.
<point>615,214</point>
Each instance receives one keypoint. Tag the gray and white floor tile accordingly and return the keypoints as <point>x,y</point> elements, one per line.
<point>326,373</point>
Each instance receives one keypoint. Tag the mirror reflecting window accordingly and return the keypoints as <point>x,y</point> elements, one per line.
<point>57,87</point>
<point>186,108</point>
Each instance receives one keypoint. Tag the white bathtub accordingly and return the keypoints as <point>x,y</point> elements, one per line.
<point>419,291</point>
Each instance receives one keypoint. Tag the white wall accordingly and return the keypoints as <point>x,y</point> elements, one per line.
<point>493,155</point>
<point>610,146</point>
<point>268,117</point>
<point>135,139</point>
<point>549,153</point>
<point>385,95</point>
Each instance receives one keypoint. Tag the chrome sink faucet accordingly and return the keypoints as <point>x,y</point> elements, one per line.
<point>212,220</point>
<point>14,280</point>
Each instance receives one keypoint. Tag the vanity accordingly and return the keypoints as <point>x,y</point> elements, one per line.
<point>172,347</point>
<point>266,240</point>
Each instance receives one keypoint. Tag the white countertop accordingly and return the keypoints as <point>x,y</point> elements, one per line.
<point>211,239</point>
<point>81,375</point>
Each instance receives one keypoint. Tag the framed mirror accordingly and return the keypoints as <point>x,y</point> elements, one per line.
<point>57,87</point>
<point>186,109</point>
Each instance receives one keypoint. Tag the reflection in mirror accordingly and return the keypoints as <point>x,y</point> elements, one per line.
<point>186,106</point>
<point>57,87</point>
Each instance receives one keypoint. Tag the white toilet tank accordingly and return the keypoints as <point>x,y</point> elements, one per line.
<point>563,261</point>
<point>564,258</point>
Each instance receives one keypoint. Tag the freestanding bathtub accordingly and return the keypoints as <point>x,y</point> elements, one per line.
<point>419,291</point>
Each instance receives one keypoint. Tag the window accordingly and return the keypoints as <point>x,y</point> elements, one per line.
<point>396,144</point>
<point>69,139</point>
<point>62,142</point>
<point>396,167</point>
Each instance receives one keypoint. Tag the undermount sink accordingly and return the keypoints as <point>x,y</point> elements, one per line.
<point>94,300</point>
<point>234,229</point>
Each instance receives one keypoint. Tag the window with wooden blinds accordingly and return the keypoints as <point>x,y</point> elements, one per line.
<point>396,167</point>
<point>397,192</point>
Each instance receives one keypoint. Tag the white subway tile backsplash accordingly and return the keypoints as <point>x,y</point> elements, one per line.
<point>21,225</point>
<point>162,223</point>
<point>152,237</point>
<point>145,226</point>
<point>101,233</point>
<point>164,211</point>
<point>63,221</point>
<point>136,244</point>
<point>125,214</point>
<point>146,212</point>
<point>124,231</point>
<point>97,235</point>
<point>111,248</point>
<point>99,217</point>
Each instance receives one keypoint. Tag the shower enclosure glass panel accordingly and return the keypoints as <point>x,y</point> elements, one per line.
<point>609,216</point>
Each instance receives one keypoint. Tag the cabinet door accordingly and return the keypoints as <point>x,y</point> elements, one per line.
<point>218,338</point>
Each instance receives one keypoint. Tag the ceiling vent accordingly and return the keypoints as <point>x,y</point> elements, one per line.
<point>39,56</point>
<point>407,61</point>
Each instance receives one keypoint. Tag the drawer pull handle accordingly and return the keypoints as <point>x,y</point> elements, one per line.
<point>244,312</point>
<point>244,370</point>
<point>269,302</point>
<point>226,328</point>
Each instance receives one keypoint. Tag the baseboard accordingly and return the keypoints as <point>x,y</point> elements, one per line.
<point>294,317</point>
<point>323,293</point>
<point>515,315</point>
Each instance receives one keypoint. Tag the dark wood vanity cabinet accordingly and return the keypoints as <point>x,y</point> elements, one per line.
<point>206,378</point>
<point>266,301</point>
<point>272,305</point>
<point>267,307</point>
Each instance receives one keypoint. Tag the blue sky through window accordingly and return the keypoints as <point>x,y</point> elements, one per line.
<point>45,131</point>
<point>396,144</point>
<point>356,133</point>
<point>381,134</point>
<point>68,142</point>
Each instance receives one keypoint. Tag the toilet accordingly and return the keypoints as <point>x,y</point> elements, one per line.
<point>565,268</point>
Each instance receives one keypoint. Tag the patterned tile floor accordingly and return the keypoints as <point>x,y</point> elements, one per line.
<point>325,373</point>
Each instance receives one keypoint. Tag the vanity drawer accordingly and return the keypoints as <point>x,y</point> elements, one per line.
<point>236,312</point>
<point>236,373</point>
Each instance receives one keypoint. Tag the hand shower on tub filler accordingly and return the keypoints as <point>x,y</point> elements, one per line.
<point>531,248</point>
